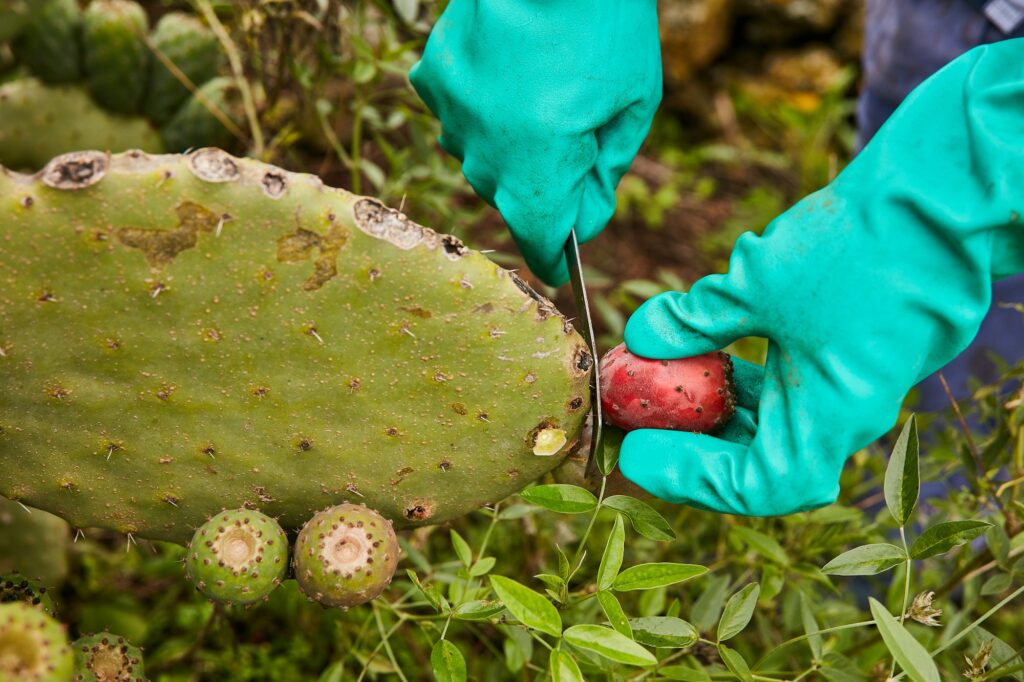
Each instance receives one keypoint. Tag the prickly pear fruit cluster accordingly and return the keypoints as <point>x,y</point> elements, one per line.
<point>17,588</point>
<point>33,646</point>
<point>690,394</point>
<point>104,657</point>
<point>212,332</point>
<point>98,74</point>
<point>237,557</point>
<point>345,555</point>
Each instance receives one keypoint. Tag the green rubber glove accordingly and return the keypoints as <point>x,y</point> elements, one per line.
<point>545,102</point>
<point>862,289</point>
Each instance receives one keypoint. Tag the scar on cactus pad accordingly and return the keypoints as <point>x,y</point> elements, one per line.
<point>104,657</point>
<point>237,557</point>
<point>345,555</point>
<point>33,646</point>
<point>213,332</point>
<point>689,394</point>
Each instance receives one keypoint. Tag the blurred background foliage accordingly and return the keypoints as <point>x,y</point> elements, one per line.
<point>757,112</point>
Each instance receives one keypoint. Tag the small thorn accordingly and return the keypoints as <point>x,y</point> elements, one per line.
<point>401,204</point>
<point>156,290</point>
<point>78,534</point>
<point>488,250</point>
<point>131,541</point>
<point>405,330</point>
<point>27,510</point>
<point>315,335</point>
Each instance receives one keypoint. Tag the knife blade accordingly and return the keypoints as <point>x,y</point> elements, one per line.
<point>585,325</point>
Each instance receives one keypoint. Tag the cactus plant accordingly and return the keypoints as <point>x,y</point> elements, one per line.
<point>48,42</point>
<point>17,588</point>
<point>237,557</point>
<point>104,657</point>
<point>181,334</point>
<point>33,646</point>
<point>33,543</point>
<point>345,555</point>
<point>192,48</point>
<point>116,56</point>
<point>194,121</point>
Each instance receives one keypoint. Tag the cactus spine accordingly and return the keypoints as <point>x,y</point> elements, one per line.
<point>33,646</point>
<point>107,658</point>
<point>214,332</point>
<point>237,557</point>
<point>345,555</point>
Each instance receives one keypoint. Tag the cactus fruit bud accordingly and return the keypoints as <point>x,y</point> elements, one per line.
<point>17,588</point>
<point>33,646</point>
<point>116,56</point>
<point>237,557</point>
<point>104,657</point>
<point>345,555</point>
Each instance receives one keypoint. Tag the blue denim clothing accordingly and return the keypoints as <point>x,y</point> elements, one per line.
<point>906,41</point>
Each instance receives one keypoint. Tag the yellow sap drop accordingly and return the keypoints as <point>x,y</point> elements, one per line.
<point>549,442</point>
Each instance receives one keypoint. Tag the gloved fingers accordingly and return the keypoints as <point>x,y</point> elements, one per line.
<point>749,380</point>
<point>618,142</point>
<point>741,429</point>
<point>677,325</point>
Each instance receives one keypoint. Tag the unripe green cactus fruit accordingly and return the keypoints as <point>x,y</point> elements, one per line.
<point>181,334</point>
<point>192,48</point>
<point>104,657</point>
<point>49,41</point>
<point>33,646</point>
<point>116,56</point>
<point>237,557</point>
<point>345,555</point>
<point>17,588</point>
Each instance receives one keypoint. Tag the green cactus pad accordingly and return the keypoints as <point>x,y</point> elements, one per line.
<point>181,334</point>
<point>33,543</point>
<point>33,646</point>
<point>237,557</point>
<point>17,588</point>
<point>345,555</point>
<point>105,657</point>
<point>49,41</point>
<point>192,48</point>
<point>195,125</point>
<point>116,56</point>
<point>36,124</point>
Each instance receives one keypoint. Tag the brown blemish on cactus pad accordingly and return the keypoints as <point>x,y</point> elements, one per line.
<point>419,510</point>
<point>377,220</point>
<point>582,360</point>
<point>213,165</point>
<point>299,246</point>
<point>453,247</point>
<point>274,184</point>
<point>76,170</point>
<point>163,246</point>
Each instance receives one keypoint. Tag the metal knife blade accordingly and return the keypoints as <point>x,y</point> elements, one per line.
<point>586,327</point>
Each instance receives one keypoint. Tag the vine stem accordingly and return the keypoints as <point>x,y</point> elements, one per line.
<point>837,628</point>
<point>581,547</point>
<point>963,633</point>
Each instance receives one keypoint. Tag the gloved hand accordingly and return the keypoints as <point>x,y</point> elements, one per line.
<point>862,289</point>
<point>546,103</point>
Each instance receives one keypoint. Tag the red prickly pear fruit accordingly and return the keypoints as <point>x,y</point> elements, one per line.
<point>689,394</point>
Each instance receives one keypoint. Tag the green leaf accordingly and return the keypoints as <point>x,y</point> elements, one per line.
<point>908,652</point>
<point>1002,653</point>
<point>611,560</point>
<point>708,607</point>
<point>839,668</point>
<point>561,497</point>
<point>943,537</point>
<point>478,609</point>
<point>563,667</point>
<point>642,516</point>
<point>735,663</point>
<point>447,662</point>
<point>997,584</point>
<point>999,542</point>
<point>762,544</point>
<point>553,581</point>
<point>407,9</point>
<point>518,648</point>
<point>483,566</point>
<point>902,475</point>
<point>866,560</point>
<point>334,673</point>
<point>663,631</point>
<point>810,625</point>
<point>681,672</point>
<point>738,612</point>
<point>648,576</point>
<point>430,594</point>
<point>462,549</point>
<point>613,611</point>
<point>609,644</point>
<point>563,564</point>
<point>530,608</point>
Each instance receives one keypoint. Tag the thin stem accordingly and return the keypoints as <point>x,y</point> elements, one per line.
<point>387,644</point>
<point>590,526</point>
<point>837,628</point>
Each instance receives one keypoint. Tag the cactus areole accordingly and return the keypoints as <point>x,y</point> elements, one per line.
<point>184,334</point>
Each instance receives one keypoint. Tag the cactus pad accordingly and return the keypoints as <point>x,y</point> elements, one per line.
<point>116,56</point>
<point>192,48</point>
<point>48,42</point>
<point>105,657</point>
<point>181,334</point>
<point>345,555</point>
<point>33,646</point>
<point>33,543</point>
<point>17,588</point>
<point>237,557</point>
